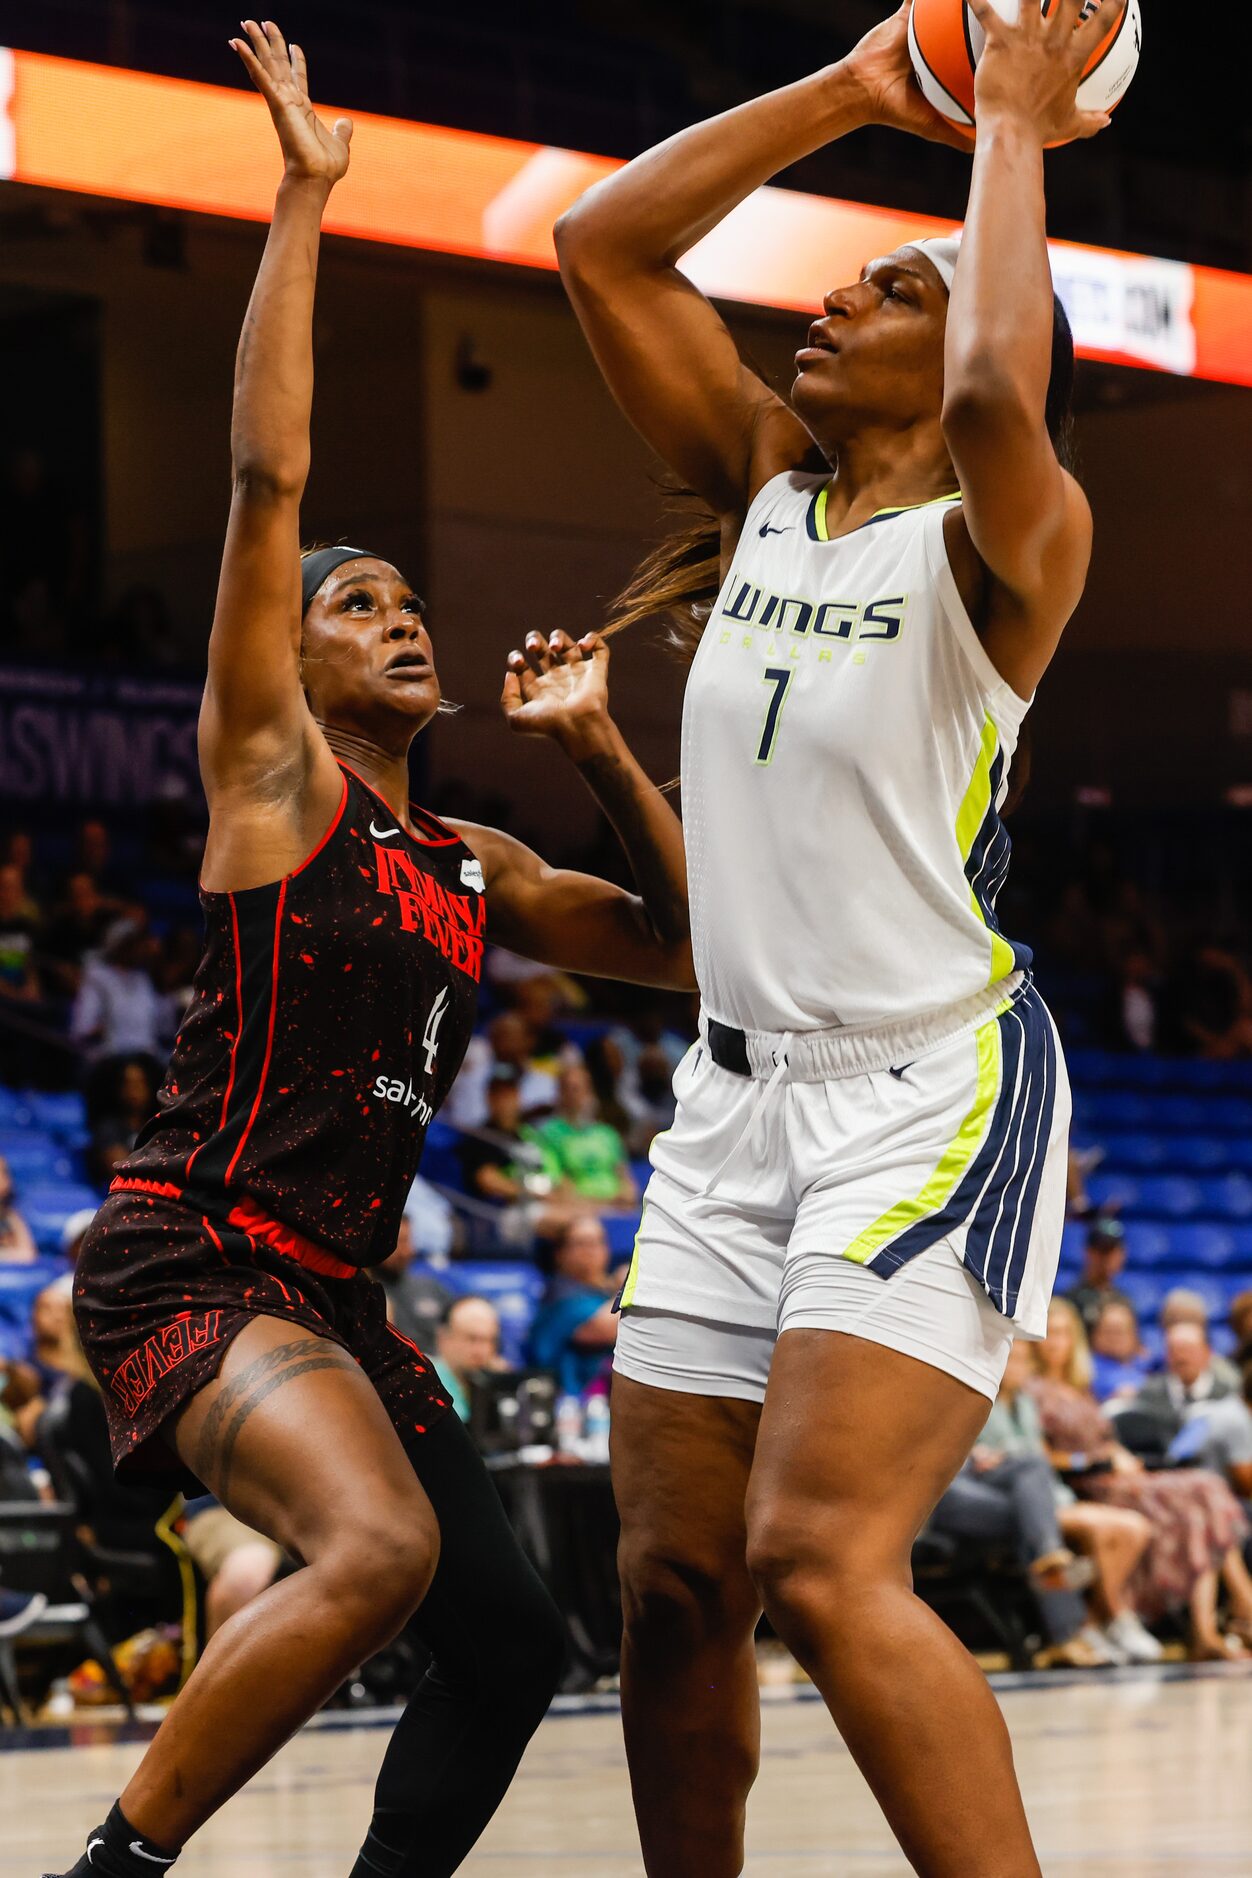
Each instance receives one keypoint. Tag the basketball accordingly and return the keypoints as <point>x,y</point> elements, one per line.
<point>946,42</point>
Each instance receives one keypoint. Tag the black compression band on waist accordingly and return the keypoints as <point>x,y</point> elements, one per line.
<point>318,566</point>
<point>728,1048</point>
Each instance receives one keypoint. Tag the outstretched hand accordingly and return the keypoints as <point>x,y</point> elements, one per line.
<point>882,66</point>
<point>1033,66</point>
<point>556,688</point>
<point>311,152</point>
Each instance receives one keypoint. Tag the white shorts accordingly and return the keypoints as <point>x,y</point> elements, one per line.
<point>905,1184</point>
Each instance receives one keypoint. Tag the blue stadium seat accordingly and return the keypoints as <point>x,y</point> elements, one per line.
<point>1227,1197</point>
<point>46,1209</point>
<point>441,1163</point>
<point>61,1112</point>
<point>1094,1069</point>
<point>1120,1108</point>
<point>641,1168</point>
<point>1149,1245</point>
<point>1199,1154</point>
<point>1203,1245</point>
<point>1145,1291</point>
<point>621,1229</point>
<point>34,1157</point>
<point>1154,1196</point>
<point>19,1287</point>
<point>1136,1153</point>
<point>14,1109</point>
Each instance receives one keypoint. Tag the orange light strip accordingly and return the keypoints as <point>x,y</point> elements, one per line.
<point>101,131</point>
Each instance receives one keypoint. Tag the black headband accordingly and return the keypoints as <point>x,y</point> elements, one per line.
<point>319,566</point>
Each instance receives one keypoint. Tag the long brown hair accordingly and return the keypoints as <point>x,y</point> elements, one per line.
<point>678,581</point>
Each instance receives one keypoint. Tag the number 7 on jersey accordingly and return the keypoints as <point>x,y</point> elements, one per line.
<point>780,677</point>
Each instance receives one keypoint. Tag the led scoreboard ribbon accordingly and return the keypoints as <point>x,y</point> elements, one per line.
<point>102,131</point>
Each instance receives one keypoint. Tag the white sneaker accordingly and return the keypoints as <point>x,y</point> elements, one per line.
<point>1127,1634</point>
<point>1102,1647</point>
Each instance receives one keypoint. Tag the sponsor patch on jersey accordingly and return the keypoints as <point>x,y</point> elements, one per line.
<point>472,876</point>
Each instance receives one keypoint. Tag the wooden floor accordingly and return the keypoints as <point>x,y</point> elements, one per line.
<point>1136,1777</point>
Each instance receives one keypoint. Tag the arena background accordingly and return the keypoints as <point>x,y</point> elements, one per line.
<point>461,429</point>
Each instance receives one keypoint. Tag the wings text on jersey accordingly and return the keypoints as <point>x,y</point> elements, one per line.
<point>858,621</point>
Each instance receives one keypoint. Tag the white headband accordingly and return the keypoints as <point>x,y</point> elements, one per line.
<point>941,251</point>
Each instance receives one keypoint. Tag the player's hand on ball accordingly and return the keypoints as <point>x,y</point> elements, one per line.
<point>1032,67</point>
<point>882,67</point>
<point>311,152</point>
<point>556,687</point>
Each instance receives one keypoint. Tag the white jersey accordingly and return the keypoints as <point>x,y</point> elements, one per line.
<point>846,749</point>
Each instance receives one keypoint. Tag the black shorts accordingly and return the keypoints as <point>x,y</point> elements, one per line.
<point>160,1291</point>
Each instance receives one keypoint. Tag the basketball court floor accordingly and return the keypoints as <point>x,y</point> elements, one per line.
<point>1126,1776</point>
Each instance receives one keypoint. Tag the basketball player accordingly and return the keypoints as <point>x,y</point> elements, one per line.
<point>861,1197</point>
<point>220,1294</point>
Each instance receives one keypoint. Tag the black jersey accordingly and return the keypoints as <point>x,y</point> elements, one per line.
<point>331,1013</point>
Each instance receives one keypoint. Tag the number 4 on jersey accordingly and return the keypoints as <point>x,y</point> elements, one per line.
<point>780,678</point>
<point>430,1040</point>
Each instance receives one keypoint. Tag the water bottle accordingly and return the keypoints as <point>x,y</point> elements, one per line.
<point>569,1425</point>
<point>596,1429</point>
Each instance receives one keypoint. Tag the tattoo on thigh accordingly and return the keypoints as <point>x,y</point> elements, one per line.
<point>215,1449</point>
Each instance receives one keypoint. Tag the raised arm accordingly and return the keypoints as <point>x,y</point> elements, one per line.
<point>255,728</point>
<point>558,689</point>
<point>1026,517</point>
<point>665,352</point>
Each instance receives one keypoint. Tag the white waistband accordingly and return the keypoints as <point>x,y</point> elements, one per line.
<point>862,1049</point>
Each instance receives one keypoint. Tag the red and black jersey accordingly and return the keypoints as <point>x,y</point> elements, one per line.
<point>330,1015</point>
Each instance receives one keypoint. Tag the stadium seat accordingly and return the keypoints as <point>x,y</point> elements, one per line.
<point>1204,1246</point>
<point>14,1110</point>
<point>1149,1245</point>
<point>621,1230</point>
<point>34,1157</point>
<point>19,1287</point>
<point>1119,1108</point>
<point>62,1113</point>
<point>1134,1152</point>
<point>441,1162</point>
<point>46,1209</point>
<point>1145,1291</point>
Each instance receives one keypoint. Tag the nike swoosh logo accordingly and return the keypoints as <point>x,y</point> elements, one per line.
<point>382,834</point>
<point>767,530</point>
<point>899,1073</point>
<point>91,1846</point>
<point>139,1852</point>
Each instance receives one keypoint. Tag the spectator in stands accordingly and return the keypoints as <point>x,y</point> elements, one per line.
<point>505,1164</point>
<point>1104,1255</point>
<point>17,1247</point>
<point>589,1154</point>
<point>605,1067</point>
<point>95,855</point>
<point>467,1343</point>
<point>575,1327</point>
<point>236,1563</point>
<point>1218,1433</point>
<point>636,1098</point>
<point>74,1231</point>
<point>118,1011</point>
<point>1136,1000</point>
<point>1190,1376</point>
<point>129,1100</point>
<point>1241,1324</point>
<point>1197,1524</point>
<point>510,1042</point>
<point>1182,1306</point>
<point>504,1160</point>
<point>75,929</point>
<point>1217,1006</point>
<point>1119,1362</point>
<point>416,1302</point>
<point>19,976</point>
